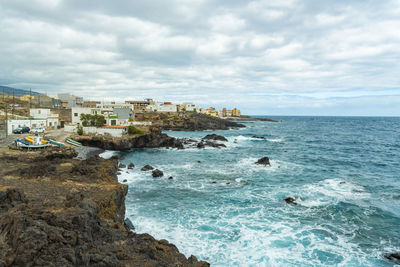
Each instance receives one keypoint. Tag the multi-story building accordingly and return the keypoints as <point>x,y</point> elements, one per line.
<point>70,100</point>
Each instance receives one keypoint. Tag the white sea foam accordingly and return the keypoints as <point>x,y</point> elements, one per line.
<point>332,190</point>
<point>108,154</point>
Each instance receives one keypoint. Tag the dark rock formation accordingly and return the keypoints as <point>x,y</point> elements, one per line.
<point>157,173</point>
<point>263,161</point>
<point>131,165</point>
<point>203,144</point>
<point>121,165</point>
<point>147,168</point>
<point>129,225</point>
<point>199,122</point>
<point>291,200</point>
<point>154,139</point>
<point>170,178</point>
<point>67,217</point>
<point>125,180</point>
<point>394,257</point>
<point>258,137</point>
<point>215,137</point>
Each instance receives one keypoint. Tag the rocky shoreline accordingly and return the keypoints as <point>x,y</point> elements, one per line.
<point>154,139</point>
<point>56,210</point>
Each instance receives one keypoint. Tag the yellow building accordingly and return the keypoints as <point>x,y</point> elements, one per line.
<point>236,112</point>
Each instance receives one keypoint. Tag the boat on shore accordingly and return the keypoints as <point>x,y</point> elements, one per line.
<point>72,142</point>
<point>56,143</point>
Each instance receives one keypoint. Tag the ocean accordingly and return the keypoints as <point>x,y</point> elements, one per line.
<point>344,173</point>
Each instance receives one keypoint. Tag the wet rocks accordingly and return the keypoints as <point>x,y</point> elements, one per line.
<point>258,137</point>
<point>157,173</point>
<point>204,144</point>
<point>263,161</point>
<point>146,168</point>
<point>129,225</point>
<point>170,178</point>
<point>215,137</point>
<point>71,218</point>
<point>290,200</point>
<point>125,180</point>
<point>394,257</point>
<point>131,165</point>
<point>121,165</point>
<point>153,139</point>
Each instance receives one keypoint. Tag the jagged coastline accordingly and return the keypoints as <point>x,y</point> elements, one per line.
<point>56,210</point>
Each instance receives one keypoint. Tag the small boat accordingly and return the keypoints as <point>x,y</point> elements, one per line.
<point>72,142</point>
<point>35,140</point>
<point>30,146</point>
<point>55,143</point>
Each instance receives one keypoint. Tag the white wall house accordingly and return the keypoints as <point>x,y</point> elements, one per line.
<point>39,113</point>
<point>52,120</point>
<point>31,123</point>
<point>163,107</point>
<point>77,111</point>
<point>189,106</point>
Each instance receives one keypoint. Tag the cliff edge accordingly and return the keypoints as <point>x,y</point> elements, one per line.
<point>60,211</point>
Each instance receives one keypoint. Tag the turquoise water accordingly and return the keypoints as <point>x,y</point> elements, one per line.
<point>345,172</point>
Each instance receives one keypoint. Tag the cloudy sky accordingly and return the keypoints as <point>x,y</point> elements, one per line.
<point>289,57</point>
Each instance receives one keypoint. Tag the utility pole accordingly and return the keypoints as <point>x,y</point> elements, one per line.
<point>6,109</point>
<point>13,111</point>
<point>30,96</point>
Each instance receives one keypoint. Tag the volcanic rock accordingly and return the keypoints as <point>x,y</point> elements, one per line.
<point>70,218</point>
<point>157,173</point>
<point>121,165</point>
<point>215,137</point>
<point>258,137</point>
<point>147,168</point>
<point>394,257</point>
<point>291,200</point>
<point>263,161</point>
<point>131,165</point>
<point>129,225</point>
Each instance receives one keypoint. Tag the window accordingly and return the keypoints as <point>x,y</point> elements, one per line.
<point>76,114</point>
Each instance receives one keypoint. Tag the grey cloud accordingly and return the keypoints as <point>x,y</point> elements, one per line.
<point>210,52</point>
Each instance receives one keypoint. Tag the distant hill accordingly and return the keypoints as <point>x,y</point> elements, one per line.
<point>17,92</point>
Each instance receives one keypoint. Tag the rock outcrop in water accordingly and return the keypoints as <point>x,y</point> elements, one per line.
<point>157,173</point>
<point>146,168</point>
<point>59,211</point>
<point>263,161</point>
<point>394,257</point>
<point>215,137</point>
<point>153,139</point>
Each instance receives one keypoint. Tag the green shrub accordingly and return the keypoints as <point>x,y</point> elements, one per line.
<point>134,130</point>
<point>79,130</point>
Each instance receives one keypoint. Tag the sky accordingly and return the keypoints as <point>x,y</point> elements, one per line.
<point>289,57</point>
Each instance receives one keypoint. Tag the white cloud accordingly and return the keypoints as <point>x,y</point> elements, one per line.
<point>259,55</point>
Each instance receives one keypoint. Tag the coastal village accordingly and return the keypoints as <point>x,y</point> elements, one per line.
<point>72,113</point>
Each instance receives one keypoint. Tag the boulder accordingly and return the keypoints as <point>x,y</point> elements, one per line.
<point>121,165</point>
<point>394,257</point>
<point>146,168</point>
<point>215,137</point>
<point>129,225</point>
<point>258,137</point>
<point>201,145</point>
<point>125,180</point>
<point>131,165</point>
<point>263,161</point>
<point>291,200</point>
<point>170,178</point>
<point>157,173</point>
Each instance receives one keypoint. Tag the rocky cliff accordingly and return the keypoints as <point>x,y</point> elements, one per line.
<point>59,211</point>
<point>153,139</point>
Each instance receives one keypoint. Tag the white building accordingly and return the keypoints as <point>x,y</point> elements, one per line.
<point>13,124</point>
<point>189,106</point>
<point>77,111</point>
<point>163,107</point>
<point>52,120</point>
